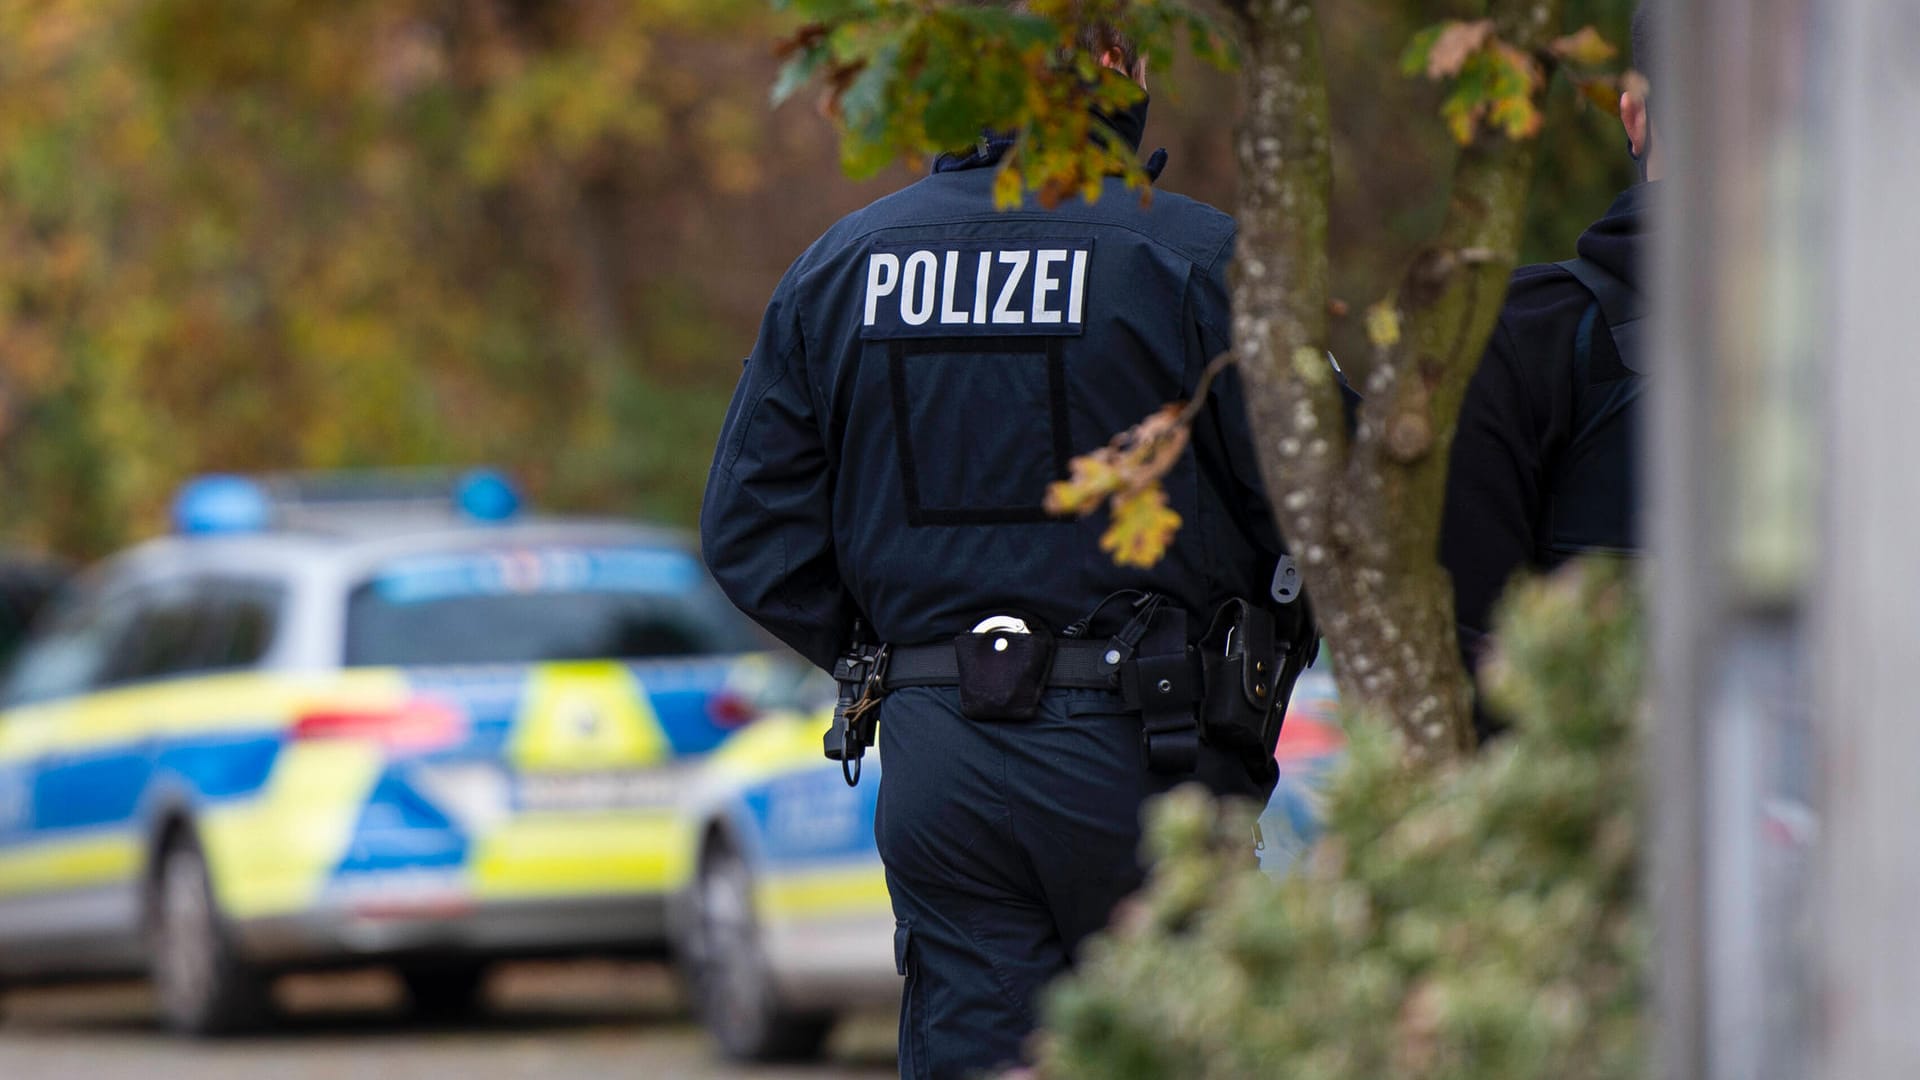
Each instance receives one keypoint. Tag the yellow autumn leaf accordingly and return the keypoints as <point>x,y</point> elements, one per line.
<point>1006,188</point>
<point>1461,120</point>
<point>1383,325</point>
<point>1143,526</point>
<point>1584,47</point>
<point>1517,116</point>
<point>1092,479</point>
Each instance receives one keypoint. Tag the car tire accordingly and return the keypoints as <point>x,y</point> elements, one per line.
<point>202,984</point>
<point>733,984</point>
<point>446,991</point>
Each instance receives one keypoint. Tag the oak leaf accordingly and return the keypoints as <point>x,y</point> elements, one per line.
<point>1092,480</point>
<point>1143,526</point>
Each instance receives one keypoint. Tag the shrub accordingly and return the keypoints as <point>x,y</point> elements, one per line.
<point>1477,920</point>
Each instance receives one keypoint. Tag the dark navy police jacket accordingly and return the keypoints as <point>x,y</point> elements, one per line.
<point>924,371</point>
<point>1521,419</point>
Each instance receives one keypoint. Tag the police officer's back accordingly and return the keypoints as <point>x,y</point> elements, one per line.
<point>922,374</point>
<point>927,368</point>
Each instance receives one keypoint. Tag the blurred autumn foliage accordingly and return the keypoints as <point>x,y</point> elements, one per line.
<point>268,234</point>
<point>246,234</point>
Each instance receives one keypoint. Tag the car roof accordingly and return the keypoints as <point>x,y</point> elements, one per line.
<point>351,548</point>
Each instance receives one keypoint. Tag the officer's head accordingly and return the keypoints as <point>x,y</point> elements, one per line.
<point>1107,44</point>
<point>1636,101</point>
<point>1115,51</point>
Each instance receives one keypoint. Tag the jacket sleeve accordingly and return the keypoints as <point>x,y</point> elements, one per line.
<point>766,526</point>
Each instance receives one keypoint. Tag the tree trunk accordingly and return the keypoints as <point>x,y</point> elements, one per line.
<point>1362,515</point>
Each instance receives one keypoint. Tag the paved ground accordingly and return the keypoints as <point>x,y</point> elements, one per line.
<point>547,1021</point>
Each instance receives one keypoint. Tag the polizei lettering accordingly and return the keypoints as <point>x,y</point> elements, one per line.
<point>976,289</point>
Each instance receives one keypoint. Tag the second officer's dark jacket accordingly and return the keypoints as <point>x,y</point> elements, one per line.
<point>923,372</point>
<point>1526,432</point>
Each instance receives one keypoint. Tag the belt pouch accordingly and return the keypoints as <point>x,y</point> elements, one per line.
<point>1002,674</point>
<point>1238,654</point>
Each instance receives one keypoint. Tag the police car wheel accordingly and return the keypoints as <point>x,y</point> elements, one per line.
<point>203,986</point>
<point>735,993</point>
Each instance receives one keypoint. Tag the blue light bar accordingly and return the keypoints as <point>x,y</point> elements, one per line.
<point>486,495</point>
<point>221,504</point>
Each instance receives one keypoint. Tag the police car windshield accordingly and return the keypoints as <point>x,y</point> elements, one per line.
<point>526,606</point>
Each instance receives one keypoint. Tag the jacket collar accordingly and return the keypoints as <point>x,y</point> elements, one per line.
<point>1129,123</point>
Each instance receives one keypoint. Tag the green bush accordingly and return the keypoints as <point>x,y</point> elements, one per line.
<point>1480,920</point>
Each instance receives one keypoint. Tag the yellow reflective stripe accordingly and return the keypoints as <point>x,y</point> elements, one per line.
<point>781,743</point>
<point>274,854</point>
<point>840,891</point>
<point>580,854</point>
<point>183,708</point>
<point>96,859</point>
<point>588,715</point>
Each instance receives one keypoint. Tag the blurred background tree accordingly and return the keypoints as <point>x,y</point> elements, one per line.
<point>267,234</point>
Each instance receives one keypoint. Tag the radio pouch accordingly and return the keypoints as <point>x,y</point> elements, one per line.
<point>1002,673</point>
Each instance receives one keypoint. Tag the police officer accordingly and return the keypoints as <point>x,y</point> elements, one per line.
<point>1544,462</point>
<point>923,372</point>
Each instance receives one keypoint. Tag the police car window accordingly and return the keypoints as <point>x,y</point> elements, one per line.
<point>536,605</point>
<point>161,640</point>
<point>70,651</point>
<point>239,623</point>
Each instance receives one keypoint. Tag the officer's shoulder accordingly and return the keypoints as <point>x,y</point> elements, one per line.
<point>1540,316</point>
<point>1202,232</point>
<point>1543,291</point>
<point>888,211</point>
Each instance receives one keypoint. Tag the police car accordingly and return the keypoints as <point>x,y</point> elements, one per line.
<point>332,726</point>
<point>787,924</point>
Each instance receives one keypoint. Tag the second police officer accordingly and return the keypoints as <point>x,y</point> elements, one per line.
<point>922,373</point>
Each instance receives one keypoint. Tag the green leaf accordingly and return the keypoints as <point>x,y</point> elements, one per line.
<point>1016,29</point>
<point>864,106</point>
<point>796,73</point>
<point>1414,60</point>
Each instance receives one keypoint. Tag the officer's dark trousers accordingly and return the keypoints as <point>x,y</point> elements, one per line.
<point>1006,845</point>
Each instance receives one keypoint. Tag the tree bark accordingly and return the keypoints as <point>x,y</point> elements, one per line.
<point>1362,515</point>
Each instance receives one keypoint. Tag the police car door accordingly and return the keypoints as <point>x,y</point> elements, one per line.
<point>46,863</point>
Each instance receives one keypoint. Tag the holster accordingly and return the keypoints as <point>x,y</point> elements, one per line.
<point>1238,714</point>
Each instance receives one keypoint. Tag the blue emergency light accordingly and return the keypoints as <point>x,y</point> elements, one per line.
<point>224,504</point>
<point>221,503</point>
<point>486,495</point>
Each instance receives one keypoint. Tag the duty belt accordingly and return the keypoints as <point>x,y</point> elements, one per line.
<point>1077,665</point>
<point>1229,688</point>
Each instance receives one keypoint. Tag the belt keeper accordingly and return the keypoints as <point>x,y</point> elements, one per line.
<point>1165,688</point>
<point>1155,684</point>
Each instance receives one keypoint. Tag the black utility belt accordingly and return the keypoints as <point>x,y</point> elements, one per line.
<point>1229,690</point>
<point>1077,664</point>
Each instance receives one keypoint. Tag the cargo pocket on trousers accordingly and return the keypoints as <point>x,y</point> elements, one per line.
<point>913,1011</point>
